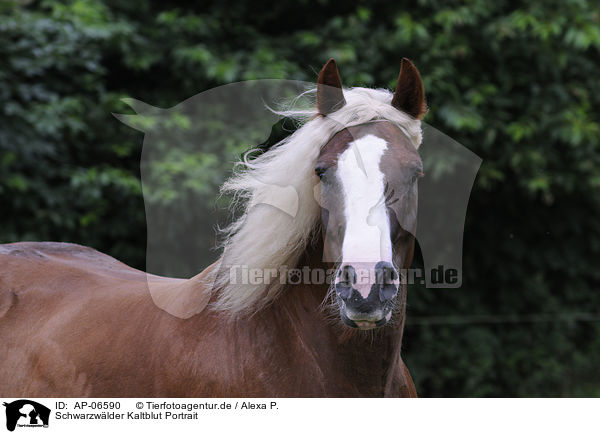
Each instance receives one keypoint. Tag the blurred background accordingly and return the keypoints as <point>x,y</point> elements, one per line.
<point>515,82</point>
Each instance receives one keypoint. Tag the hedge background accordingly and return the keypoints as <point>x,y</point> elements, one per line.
<point>515,82</point>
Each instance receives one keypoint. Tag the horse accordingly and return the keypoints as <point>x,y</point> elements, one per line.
<point>75,322</point>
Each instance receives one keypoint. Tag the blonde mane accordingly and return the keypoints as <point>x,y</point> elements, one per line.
<point>265,237</point>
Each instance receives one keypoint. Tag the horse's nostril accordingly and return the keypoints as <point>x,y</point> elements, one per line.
<point>385,273</point>
<point>347,275</point>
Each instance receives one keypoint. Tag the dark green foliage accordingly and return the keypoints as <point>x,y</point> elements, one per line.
<point>516,84</point>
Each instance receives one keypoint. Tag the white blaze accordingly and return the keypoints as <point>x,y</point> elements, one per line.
<point>367,235</point>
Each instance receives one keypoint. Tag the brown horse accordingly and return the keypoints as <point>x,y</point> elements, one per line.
<point>75,322</point>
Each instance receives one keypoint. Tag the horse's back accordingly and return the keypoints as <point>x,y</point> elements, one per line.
<point>47,259</point>
<point>32,272</point>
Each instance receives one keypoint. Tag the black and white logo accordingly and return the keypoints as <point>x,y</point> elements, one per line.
<point>25,413</point>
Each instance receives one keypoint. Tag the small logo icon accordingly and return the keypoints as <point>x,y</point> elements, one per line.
<point>26,413</point>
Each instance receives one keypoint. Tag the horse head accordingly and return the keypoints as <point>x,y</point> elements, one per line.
<point>368,193</point>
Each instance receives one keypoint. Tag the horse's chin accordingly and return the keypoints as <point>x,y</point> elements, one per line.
<point>364,324</point>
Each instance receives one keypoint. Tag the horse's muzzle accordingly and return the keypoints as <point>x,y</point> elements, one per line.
<point>364,304</point>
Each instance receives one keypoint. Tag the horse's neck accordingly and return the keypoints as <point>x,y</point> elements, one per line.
<point>373,356</point>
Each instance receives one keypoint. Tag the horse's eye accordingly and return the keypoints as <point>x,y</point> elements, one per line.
<point>417,175</point>
<point>320,171</point>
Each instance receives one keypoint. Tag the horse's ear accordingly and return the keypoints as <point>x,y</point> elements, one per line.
<point>409,96</point>
<point>330,96</point>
